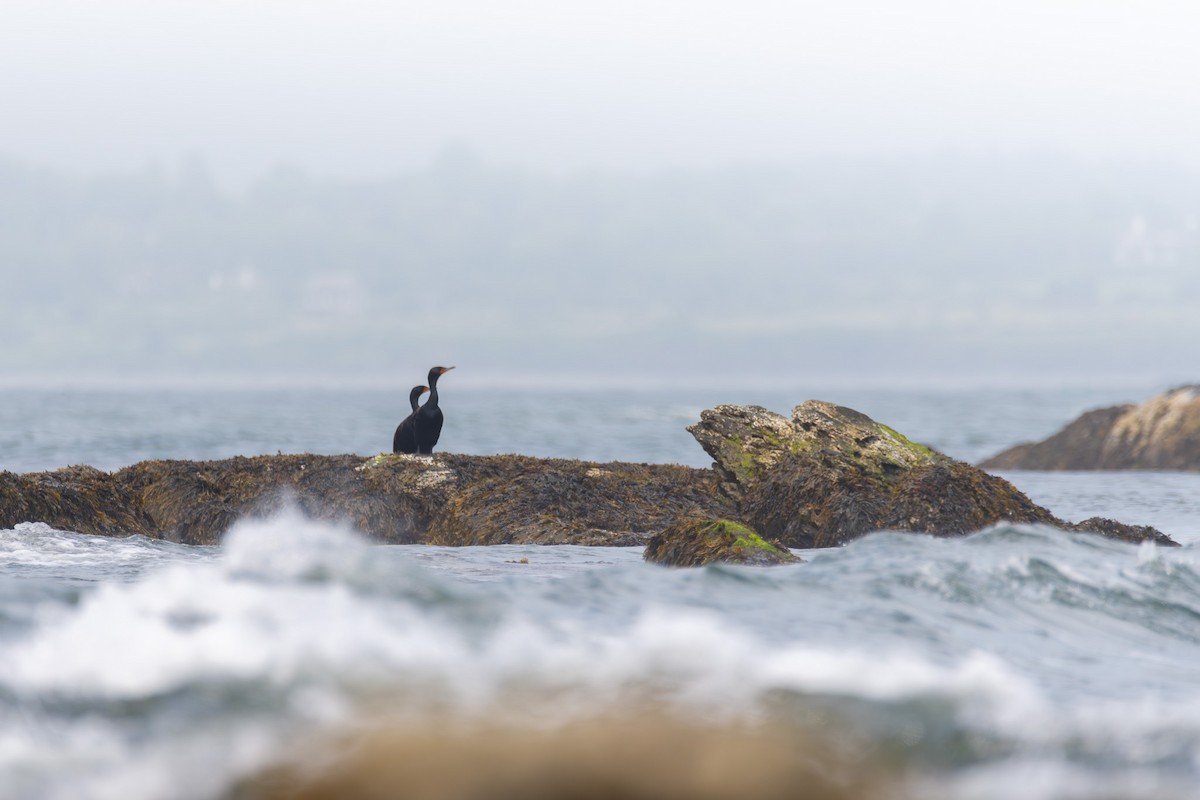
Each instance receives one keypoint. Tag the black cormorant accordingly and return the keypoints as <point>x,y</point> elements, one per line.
<point>428,418</point>
<point>405,440</point>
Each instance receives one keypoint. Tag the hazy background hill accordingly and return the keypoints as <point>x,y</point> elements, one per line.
<point>951,265</point>
<point>645,189</point>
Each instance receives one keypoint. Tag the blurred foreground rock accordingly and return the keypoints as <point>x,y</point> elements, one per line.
<point>827,475</point>
<point>649,757</point>
<point>1162,433</point>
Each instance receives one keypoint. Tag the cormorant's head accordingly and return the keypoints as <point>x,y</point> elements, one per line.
<point>436,373</point>
<point>415,395</point>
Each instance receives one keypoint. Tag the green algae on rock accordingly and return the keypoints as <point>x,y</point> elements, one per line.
<point>831,474</point>
<point>696,542</point>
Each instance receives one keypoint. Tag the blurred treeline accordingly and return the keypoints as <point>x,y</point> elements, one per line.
<point>938,264</point>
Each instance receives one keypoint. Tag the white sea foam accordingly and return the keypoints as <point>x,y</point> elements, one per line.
<point>282,604</point>
<point>259,615</point>
<point>38,544</point>
<point>297,624</point>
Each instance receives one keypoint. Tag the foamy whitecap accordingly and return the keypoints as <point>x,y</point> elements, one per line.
<point>288,546</point>
<point>283,605</point>
<point>296,625</point>
<point>38,544</point>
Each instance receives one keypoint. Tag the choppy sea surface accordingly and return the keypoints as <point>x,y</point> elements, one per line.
<point>1017,662</point>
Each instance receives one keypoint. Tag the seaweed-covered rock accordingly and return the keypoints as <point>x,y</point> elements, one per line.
<point>696,542</point>
<point>79,498</point>
<point>831,474</point>
<point>442,499</point>
<point>819,479</point>
<point>195,502</point>
<point>1135,534</point>
<point>1162,433</point>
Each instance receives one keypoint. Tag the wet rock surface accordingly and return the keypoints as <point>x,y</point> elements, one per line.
<point>821,478</point>
<point>441,499</point>
<point>80,498</point>
<point>1162,433</point>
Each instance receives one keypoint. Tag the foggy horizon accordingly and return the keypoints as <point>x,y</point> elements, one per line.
<point>640,192</point>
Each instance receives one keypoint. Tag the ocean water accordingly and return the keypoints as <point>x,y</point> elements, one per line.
<point>1017,662</point>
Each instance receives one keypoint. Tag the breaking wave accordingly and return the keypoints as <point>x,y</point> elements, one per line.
<point>1020,659</point>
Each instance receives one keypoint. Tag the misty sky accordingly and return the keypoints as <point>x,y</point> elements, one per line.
<point>361,89</point>
<point>851,187</point>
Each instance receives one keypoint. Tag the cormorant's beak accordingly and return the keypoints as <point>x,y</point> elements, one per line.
<point>424,389</point>
<point>445,370</point>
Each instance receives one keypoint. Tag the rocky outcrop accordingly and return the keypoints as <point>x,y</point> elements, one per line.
<point>442,499</point>
<point>830,474</point>
<point>1162,433</point>
<point>821,478</point>
<point>695,542</point>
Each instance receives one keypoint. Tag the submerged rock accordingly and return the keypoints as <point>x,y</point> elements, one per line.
<point>1162,433</point>
<point>695,542</point>
<point>831,474</point>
